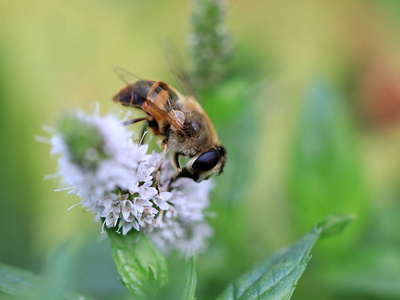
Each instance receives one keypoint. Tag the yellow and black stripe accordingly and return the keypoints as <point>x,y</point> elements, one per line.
<point>156,98</point>
<point>137,93</point>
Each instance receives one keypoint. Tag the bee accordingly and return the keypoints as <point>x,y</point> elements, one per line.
<point>180,121</point>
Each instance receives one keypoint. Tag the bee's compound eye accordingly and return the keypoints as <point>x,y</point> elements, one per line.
<point>206,161</point>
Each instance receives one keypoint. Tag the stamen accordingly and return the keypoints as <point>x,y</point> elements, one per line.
<point>72,206</point>
<point>101,238</point>
<point>51,176</point>
<point>118,115</point>
<point>48,129</point>
<point>103,226</point>
<point>97,109</point>
<point>141,140</point>
<point>64,189</point>
<point>128,114</point>
<point>210,214</point>
<point>158,219</point>
<point>42,139</point>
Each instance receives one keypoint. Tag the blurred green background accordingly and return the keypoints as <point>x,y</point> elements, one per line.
<point>309,111</point>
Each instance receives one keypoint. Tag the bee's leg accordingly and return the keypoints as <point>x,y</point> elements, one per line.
<point>178,167</point>
<point>184,173</point>
<point>177,162</point>
<point>165,146</point>
<point>133,121</point>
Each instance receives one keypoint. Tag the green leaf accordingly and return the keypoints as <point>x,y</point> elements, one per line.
<point>191,281</point>
<point>325,175</point>
<point>238,128</point>
<point>373,267</point>
<point>277,276</point>
<point>373,271</point>
<point>143,269</point>
<point>334,224</point>
<point>24,284</point>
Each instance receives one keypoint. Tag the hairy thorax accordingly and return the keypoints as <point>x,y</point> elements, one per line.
<point>198,135</point>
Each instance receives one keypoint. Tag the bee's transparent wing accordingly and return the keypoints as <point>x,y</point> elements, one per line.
<point>125,75</point>
<point>176,66</point>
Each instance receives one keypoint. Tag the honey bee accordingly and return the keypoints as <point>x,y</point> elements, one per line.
<point>181,122</point>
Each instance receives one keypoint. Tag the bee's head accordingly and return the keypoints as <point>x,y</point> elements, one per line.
<point>196,137</point>
<point>205,164</point>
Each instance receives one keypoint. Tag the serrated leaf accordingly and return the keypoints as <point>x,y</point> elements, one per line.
<point>140,264</point>
<point>24,284</point>
<point>191,281</point>
<point>277,276</point>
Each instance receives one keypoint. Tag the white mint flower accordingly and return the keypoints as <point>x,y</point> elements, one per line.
<point>115,179</point>
<point>183,225</point>
<point>161,200</point>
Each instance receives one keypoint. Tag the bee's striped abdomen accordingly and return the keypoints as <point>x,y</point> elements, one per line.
<point>134,94</point>
<point>137,93</point>
<point>156,98</point>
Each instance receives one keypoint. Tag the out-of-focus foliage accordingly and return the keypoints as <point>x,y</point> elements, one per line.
<point>308,111</point>
<point>142,267</point>
<point>276,277</point>
<point>191,281</point>
<point>325,177</point>
<point>209,42</point>
<point>26,285</point>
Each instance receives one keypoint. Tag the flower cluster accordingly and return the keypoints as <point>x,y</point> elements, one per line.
<point>209,42</point>
<point>183,225</point>
<point>114,176</point>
